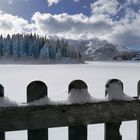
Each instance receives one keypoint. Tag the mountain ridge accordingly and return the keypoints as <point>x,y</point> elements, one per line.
<point>96,49</point>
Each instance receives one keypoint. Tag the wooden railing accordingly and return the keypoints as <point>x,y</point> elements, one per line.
<point>38,118</point>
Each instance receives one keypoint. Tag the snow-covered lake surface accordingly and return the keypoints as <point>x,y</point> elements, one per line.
<point>15,79</point>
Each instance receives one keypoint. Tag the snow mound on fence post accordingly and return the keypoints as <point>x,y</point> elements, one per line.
<point>114,91</point>
<point>43,101</point>
<point>6,102</point>
<point>80,96</point>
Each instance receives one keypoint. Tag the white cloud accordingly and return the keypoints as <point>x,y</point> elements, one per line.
<point>104,7</point>
<point>12,1</point>
<point>125,30</point>
<point>69,26</point>
<point>132,1</point>
<point>76,0</point>
<point>51,2</point>
<point>100,24</point>
<point>10,24</point>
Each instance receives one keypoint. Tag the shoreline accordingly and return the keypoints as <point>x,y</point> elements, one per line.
<point>38,62</point>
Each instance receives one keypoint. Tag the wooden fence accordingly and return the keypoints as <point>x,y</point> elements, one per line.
<point>37,119</point>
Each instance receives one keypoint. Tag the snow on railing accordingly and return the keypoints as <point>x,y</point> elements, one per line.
<point>79,110</point>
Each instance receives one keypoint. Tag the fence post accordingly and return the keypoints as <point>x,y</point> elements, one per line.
<point>2,134</point>
<point>138,121</point>
<point>111,130</point>
<point>77,132</point>
<point>37,90</point>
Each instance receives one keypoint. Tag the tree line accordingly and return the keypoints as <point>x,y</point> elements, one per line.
<point>33,46</point>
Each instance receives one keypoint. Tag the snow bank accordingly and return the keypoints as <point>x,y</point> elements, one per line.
<point>6,102</point>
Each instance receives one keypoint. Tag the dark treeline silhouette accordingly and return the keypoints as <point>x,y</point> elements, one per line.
<point>33,46</point>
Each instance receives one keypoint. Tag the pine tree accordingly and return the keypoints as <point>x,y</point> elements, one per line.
<point>7,46</point>
<point>35,46</point>
<point>25,45</point>
<point>1,45</point>
<point>44,52</point>
<point>16,46</point>
<point>52,49</point>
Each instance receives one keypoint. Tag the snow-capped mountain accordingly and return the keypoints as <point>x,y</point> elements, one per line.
<point>96,44</point>
<point>97,49</point>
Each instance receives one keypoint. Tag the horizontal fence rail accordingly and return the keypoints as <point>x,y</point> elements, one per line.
<point>38,118</point>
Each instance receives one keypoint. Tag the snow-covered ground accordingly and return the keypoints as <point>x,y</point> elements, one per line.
<point>15,79</point>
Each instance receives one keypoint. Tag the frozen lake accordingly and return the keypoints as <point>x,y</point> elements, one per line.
<point>15,79</point>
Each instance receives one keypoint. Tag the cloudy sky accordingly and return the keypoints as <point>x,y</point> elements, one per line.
<point>117,21</point>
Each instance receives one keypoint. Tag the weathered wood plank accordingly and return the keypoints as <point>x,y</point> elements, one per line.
<point>112,131</point>
<point>37,117</point>
<point>37,90</point>
<point>77,132</point>
<point>2,134</point>
<point>138,121</point>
